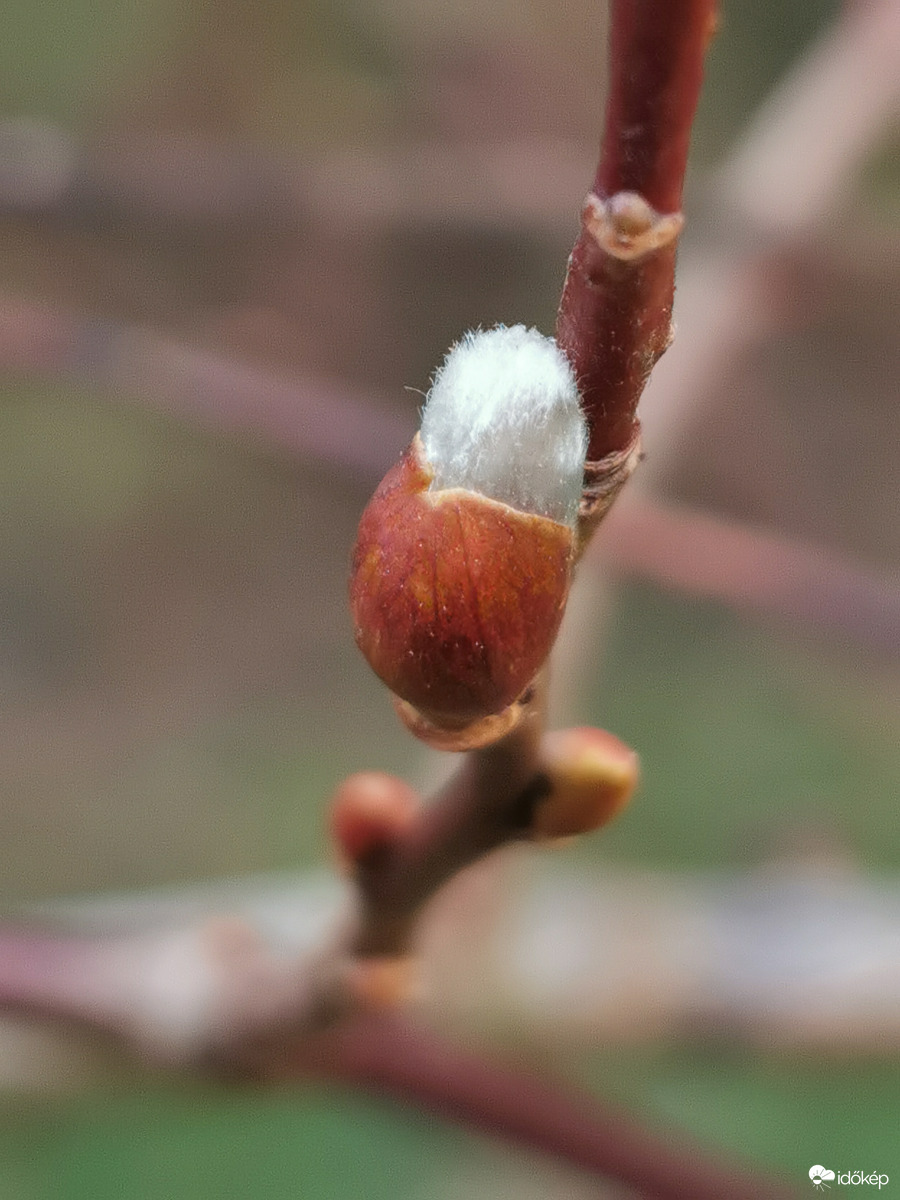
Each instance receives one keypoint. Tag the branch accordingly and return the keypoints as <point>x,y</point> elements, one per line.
<point>191,180</point>
<point>293,415</point>
<point>807,140</point>
<point>751,569</point>
<point>786,180</point>
<point>394,1057</point>
<point>489,802</point>
<point>205,996</point>
<point>166,994</point>
<point>615,313</point>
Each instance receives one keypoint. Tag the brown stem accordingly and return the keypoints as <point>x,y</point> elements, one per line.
<point>656,68</point>
<point>488,803</point>
<point>94,984</point>
<point>395,1057</point>
<point>615,312</point>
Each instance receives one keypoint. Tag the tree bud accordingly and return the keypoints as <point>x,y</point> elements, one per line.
<point>369,812</point>
<point>463,558</point>
<point>381,983</point>
<point>592,776</point>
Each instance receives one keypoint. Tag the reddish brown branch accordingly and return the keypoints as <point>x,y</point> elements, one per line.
<point>131,992</point>
<point>391,1056</point>
<point>488,803</point>
<point>615,312</point>
<point>656,68</point>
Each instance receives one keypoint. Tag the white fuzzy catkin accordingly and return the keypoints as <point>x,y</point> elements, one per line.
<point>503,418</point>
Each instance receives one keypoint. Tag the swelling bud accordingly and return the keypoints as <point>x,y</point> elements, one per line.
<point>369,814</point>
<point>592,777</point>
<point>464,555</point>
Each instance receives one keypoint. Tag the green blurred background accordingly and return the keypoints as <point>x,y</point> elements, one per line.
<point>179,686</point>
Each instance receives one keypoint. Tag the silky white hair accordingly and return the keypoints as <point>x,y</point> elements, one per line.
<point>503,418</point>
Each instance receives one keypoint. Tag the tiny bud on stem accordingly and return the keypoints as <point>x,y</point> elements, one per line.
<point>592,776</point>
<point>382,983</point>
<point>370,811</point>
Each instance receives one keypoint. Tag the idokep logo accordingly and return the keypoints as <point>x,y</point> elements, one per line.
<point>821,1178</point>
<point>819,1175</point>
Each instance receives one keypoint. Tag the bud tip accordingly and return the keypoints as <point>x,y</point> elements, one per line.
<point>503,418</point>
<point>369,812</point>
<point>592,775</point>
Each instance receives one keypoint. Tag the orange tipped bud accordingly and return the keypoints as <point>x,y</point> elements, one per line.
<point>592,776</point>
<point>456,598</point>
<point>378,983</point>
<point>369,812</point>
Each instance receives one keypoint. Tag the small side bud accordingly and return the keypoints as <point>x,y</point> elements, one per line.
<point>592,776</point>
<point>370,811</point>
<point>463,557</point>
<point>382,983</point>
<point>626,226</point>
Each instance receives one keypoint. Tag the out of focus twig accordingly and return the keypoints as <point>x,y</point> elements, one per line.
<point>751,569</point>
<point>307,417</point>
<point>785,178</point>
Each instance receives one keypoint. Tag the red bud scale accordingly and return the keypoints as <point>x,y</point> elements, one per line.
<point>464,554</point>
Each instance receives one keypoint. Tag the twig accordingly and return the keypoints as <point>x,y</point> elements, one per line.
<point>192,180</point>
<point>751,569</point>
<point>395,1057</point>
<point>177,998</point>
<point>185,995</point>
<point>615,313</point>
<point>489,802</point>
<point>782,184</point>
<point>293,415</point>
<point>808,138</point>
